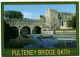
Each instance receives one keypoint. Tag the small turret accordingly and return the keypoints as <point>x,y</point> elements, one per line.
<point>41,17</point>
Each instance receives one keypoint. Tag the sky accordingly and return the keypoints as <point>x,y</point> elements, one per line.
<point>32,11</point>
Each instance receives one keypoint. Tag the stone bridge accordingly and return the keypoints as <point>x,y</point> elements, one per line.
<point>29,24</point>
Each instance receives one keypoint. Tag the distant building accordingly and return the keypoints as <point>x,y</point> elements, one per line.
<point>58,19</point>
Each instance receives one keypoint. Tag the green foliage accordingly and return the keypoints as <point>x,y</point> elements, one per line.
<point>6,32</point>
<point>69,23</point>
<point>13,32</point>
<point>9,33</point>
<point>72,23</point>
<point>13,14</point>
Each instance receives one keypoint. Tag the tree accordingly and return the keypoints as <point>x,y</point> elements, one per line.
<point>13,14</point>
<point>72,23</point>
<point>69,23</point>
<point>9,33</point>
<point>6,33</point>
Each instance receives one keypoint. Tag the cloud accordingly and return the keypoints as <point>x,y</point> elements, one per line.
<point>27,15</point>
<point>30,15</point>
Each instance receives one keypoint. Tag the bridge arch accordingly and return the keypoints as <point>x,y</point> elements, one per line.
<point>25,31</point>
<point>13,32</point>
<point>36,30</point>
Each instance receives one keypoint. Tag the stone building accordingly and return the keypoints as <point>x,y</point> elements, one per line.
<point>52,20</point>
<point>58,19</point>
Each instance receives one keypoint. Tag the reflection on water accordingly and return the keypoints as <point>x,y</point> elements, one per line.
<point>43,41</point>
<point>56,41</point>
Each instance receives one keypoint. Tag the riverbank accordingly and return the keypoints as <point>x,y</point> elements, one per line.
<point>65,32</point>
